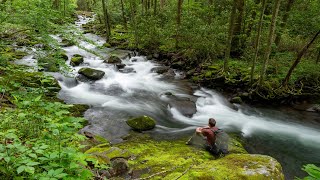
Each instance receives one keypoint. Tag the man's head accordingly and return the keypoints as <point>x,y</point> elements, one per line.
<point>212,122</point>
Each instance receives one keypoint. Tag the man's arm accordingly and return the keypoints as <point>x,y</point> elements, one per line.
<point>199,129</point>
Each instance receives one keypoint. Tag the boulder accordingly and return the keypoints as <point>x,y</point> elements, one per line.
<point>120,66</point>
<point>76,60</point>
<point>184,106</point>
<point>196,163</point>
<point>236,99</point>
<point>92,74</point>
<point>177,65</point>
<point>119,166</point>
<point>156,55</point>
<point>82,78</point>
<point>160,69</point>
<point>141,123</point>
<point>113,60</point>
<point>149,57</point>
<point>66,43</point>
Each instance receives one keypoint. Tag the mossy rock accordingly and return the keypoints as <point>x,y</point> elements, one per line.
<point>142,123</point>
<point>107,45</point>
<point>114,60</point>
<point>92,74</point>
<point>67,42</point>
<point>76,60</point>
<point>189,162</point>
<point>236,99</point>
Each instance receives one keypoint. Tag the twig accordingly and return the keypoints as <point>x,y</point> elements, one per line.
<point>184,172</point>
<point>158,173</point>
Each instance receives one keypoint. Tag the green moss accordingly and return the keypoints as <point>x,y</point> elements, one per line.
<point>77,110</point>
<point>91,73</point>
<point>173,158</point>
<point>142,123</point>
<point>76,60</point>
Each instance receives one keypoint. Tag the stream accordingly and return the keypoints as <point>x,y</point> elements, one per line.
<point>179,107</point>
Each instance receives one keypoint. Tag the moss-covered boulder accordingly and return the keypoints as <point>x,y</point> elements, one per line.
<point>92,74</point>
<point>236,99</point>
<point>173,159</point>
<point>142,123</point>
<point>76,60</point>
<point>113,60</point>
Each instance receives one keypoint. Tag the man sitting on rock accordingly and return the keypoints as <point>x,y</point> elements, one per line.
<point>209,134</point>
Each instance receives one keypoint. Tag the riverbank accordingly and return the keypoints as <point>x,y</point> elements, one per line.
<point>50,145</point>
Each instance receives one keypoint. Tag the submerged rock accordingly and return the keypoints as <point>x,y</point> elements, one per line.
<point>120,66</point>
<point>92,74</point>
<point>113,60</point>
<point>127,70</point>
<point>141,123</point>
<point>185,107</point>
<point>76,60</point>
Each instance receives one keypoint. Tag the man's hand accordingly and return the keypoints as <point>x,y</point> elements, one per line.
<point>199,130</point>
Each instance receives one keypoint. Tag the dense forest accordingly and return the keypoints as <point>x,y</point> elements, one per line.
<point>217,41</point>
<point>255,51</point>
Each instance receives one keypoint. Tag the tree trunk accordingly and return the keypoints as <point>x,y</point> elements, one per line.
<point>252,20</point>
<point>257,43</point>
<point>179,11</point>
<point>64,8</point>
<point>230,35</point>
<point>236,43</point>
<point>270,40</point>
<point>162,2</point>
<point>284,21</point>
<point>56,4</point>
<point>123,16</point>
<point>134,22</point>
<point>106,19</point>
<point>155,8</point>
<point>298,59</point>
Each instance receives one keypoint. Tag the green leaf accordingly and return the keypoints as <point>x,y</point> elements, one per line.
<point>312,170</point>
<point>7,159</point>
<point>50,172</point>
<point>37,98</point>
<point>29,169</point>
<point>32,163</point>
<point>33,155</point>
<point>20,169</point>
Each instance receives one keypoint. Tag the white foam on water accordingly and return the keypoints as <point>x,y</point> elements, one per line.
<point>210,104</point>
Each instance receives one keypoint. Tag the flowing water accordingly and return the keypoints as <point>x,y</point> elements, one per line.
<point>291,138</point>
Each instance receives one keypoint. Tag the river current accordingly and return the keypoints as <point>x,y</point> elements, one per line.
<point>289,136</point>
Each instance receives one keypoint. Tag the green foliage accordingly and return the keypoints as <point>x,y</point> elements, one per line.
<point>38,138</point>
<point>313,172</point>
